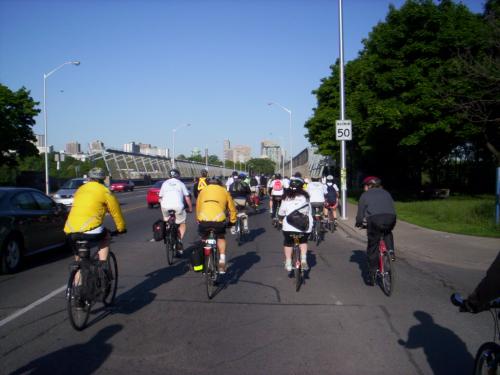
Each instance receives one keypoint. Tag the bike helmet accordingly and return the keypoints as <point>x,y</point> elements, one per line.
<point>174,173</point>
<point>97,174</point>
<point>234,174</point>
<point>204,172</point>
<point>242,176</point>
<point>329,178</point>
<point>298,175</point>
<point>278,176</point>
<point>372,181</point>
<point>296,183</point>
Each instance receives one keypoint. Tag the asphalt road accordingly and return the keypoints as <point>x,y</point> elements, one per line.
<point>163,322</point>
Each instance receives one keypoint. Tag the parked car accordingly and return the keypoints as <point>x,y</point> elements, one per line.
<point>122,185</point>
<point>30,222</point>
<point>153,194</point>
<point>66,193</point>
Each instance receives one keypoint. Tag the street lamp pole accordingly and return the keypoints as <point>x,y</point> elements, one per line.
<point>45,76</point>
<point>289,132</point>
<point>173,141</point>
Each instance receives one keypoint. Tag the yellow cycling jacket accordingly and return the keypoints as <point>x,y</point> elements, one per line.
<point>91,202</point>
<point>212,204</point>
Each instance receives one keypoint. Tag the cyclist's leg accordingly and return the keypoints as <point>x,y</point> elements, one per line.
<point>287,248</point>
<point>373,233</point>
<point>303,251</point>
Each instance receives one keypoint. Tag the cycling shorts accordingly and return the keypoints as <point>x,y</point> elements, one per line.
<point>288,239</point>
<point>331,205</point>
<point>94,239</point>
<point>218,226</point>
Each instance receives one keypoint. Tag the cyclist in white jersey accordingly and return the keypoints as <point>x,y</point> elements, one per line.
<point>173,193</point>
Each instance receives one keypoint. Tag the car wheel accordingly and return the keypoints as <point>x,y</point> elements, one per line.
<point>11,257</point>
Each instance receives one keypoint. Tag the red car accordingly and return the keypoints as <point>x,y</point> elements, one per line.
<point>124,185</point>
<point>153,194</point>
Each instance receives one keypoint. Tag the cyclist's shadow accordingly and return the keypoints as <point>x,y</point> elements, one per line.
<point>359,257</point>
<point>90,356</point>
<point>238,266</point>
<point>141,295</point>
<point>446,353</point>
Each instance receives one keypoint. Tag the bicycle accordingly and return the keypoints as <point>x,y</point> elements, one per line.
<point>171,237</point>
<point>298,271</point>
<point>211,255</point>
<point>385,274</point>
<point>487,360</point>
<point>317,232</point>
<point>89,282</point>
<point>239,227</point>
<point>276,207</point>
<point>331,223</point>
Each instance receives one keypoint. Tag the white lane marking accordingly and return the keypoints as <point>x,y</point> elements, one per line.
<point>31,306</point>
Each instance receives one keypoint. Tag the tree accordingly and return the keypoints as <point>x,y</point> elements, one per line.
<point>17,112</point>
<point>403,123</point>
<point>261,165</point>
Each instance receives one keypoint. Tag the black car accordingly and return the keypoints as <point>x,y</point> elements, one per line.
<point>30,222</point>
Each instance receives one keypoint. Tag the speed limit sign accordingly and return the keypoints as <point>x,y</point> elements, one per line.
<point>343,130</point>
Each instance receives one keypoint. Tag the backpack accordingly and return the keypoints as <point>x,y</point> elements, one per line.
<point>331,195</point>
<point>237,187</point>
<point>253,182</point>
<point>277,185</point>
<point>159,230</point>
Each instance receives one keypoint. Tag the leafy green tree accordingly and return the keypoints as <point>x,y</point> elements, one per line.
<point>403,123</point>
<point>261,165</point>
<point>17,113</point>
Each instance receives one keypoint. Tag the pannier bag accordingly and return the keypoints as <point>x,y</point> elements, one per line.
<point>159,230</point>
<point>298,220</point>
<point>197,259</point>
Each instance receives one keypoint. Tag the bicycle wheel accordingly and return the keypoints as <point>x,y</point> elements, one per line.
<point>170,247</point>
<point>210,275</point>
<point>239,232</point>
<point>78,308</point>
<point>388,274</point>
<point>112,280</point>
<point>487,358</point>
<point>317,230</point>
<point>297,269</point>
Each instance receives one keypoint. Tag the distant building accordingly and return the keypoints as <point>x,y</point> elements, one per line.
<point>196,152</point>
<point>241,153</point>
<point>96,146</point>
<point>73,148</point>
<point>131,147</point>
<point>227,150</point>
<point>271,150</point>
<point>40,140</point>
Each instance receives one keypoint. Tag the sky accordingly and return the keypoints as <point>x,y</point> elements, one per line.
<point>150,66</point>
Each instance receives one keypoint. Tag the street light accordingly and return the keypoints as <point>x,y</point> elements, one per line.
<point>173,141</point>
<point>45,76</point>
<point>290,132</point>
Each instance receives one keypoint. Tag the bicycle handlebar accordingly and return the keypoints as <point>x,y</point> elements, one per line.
<point>461,303</point>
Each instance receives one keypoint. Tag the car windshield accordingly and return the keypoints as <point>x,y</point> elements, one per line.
<point>158,184</point>
<point>119,182</point>
<point>73,184</point>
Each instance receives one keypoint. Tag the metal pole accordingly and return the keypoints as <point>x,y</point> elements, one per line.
<point>497,209</point>
<point>173,148</point>
<point>291,154</point>
<point>45,136</point>
<point>343,172</point>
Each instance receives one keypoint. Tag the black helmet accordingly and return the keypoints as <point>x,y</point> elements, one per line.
<point>235,173</point>
<point>329,178</point>
<point>296,183</point>
<point>174,173</point>
<point>298,175</point>
<point>278,176</point>
<point>372,181</point>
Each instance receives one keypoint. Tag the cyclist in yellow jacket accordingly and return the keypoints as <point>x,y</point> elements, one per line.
<point>211,206</point>
<point>91,202</point>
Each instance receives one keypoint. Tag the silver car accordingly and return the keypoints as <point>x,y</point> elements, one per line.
<point>66,193</point>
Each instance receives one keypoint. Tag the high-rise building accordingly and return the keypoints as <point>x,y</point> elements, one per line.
<point>73,148</point>
<point>40,140</point>
<point>96,146</point>
<point>241,153</point>
<point>227,150</point>
<point>131,147</point>
<point>271,150</point>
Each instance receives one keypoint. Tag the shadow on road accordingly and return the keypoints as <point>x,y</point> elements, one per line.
<point>359,257</point>
<point>446,353</point>
<point>254,233</point>
<point>141,295</point>
<point>239,265</point>
<point>75,359</point>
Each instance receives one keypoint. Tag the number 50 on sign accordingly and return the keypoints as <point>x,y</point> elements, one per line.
<point>343,130</point>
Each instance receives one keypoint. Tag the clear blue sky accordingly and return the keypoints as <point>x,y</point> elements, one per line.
<point>148,66</point>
